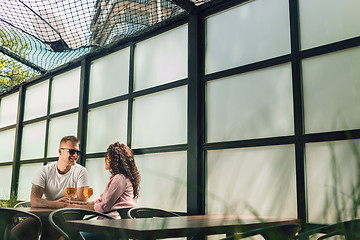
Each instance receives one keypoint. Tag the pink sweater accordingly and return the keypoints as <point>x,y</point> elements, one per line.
<point>118,193</point>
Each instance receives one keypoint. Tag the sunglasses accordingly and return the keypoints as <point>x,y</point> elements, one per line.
<point>72,151</point>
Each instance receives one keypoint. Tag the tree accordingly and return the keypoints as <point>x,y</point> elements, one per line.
<point>13,72</point>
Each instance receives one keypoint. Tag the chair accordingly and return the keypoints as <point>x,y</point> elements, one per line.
<point>276,232</point>
<point>349,229</point>
<point>58,217</point>
<point>143,212</point>
<point>10,217</point>
<point>22,204</point>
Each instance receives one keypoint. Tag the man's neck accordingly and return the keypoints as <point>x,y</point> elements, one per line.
<point>62,169</point>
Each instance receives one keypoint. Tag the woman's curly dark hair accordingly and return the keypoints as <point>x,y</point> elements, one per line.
<point>122,161</point>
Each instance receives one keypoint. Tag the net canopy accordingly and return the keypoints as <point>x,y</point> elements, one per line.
<point>39,36</point>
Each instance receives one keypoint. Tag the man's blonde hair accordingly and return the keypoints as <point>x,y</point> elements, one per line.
<point>74,140</point>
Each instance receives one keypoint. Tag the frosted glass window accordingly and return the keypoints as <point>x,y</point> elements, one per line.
<point>163,180</point>
<point>251,105</point>
<point>99,177</point>
<point>333,180</point>
<point>252,181</point>
<point>331,91</point>
<point>254,31</point>
<point>8,109</point>
<point>161,59</point>
<point>160,119</point>
<point>58,128</point>
<point>107,125</point>
<point>5,186</point>
<point>26,175</point>
<point>36,100</point>
<point>109,76</point>
<point>320,21</point>
<point>33,141</point>
<point>7,141</point>
<point>65,91</point>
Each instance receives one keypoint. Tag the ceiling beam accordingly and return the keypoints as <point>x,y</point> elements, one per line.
<point>22,60</point>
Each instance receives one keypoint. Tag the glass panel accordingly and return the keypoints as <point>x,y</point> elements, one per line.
<point>264,178</point>
<point>160,119</point>
<point>5,186</point>
<point>7,138</point>
<point>99,177</point>
<point>109,76</point>
<point>165,175</point>
<point>251,105</point>
<point>8,109</point>
<point>331,96</point>
<point>36,100</point>
<point>33,141</point>
<point>58,128</point>
<point>251,32</point>
<point>333,181</point>
<point>104,130</point>
<point>161,59</point>
<point>65,91</point>
<point>26,175</point>
<point>320,21</point>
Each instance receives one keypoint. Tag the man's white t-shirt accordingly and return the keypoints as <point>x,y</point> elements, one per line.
<point>55,183</point>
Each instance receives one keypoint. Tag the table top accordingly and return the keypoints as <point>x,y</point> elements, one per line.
<point>37,211</point>
<point>148,228</point>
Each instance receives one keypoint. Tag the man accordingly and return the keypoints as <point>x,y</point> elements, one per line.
<point>52,181</point>
<point>53,178</point>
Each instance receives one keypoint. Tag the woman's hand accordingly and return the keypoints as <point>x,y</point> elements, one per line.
<point>77,202</point>
<point>73,206</point>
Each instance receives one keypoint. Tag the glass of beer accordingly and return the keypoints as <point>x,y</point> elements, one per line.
<point>88,192</point>
<point>70,192</point>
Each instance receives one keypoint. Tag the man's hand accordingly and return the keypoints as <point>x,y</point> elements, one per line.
<point>59,203</point>
<point>64,199</point>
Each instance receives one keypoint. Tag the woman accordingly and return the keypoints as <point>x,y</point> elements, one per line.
<point>123,187</point>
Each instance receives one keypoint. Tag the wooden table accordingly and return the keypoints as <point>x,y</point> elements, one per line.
<point>37,211</point>
<point>153,228</point>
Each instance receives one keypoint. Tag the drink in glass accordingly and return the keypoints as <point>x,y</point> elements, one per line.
<point>88,192</point>
<point>70,192</point>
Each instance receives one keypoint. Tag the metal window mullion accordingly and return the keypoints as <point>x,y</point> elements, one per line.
<point>298,111</point>
<point>195,154</point>
<point>83,108</point>
<point>47,121</point>
<point>17,146</point>
<point>131,96</point>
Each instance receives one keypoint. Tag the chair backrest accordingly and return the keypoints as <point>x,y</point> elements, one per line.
<point>281,232</point>
<point>143,212</point>
<point>22,204</point>
<point>349,229</point>
<point>10,217</point>
<point>275,232</point>
<point>352,229</point>
<point>58,217</point>
<point>123,212</point>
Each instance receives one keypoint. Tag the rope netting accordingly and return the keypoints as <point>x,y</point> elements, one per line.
<point>43,35</point>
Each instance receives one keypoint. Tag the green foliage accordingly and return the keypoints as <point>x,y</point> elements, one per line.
<point>11,71</point>
<point>9,203</point>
